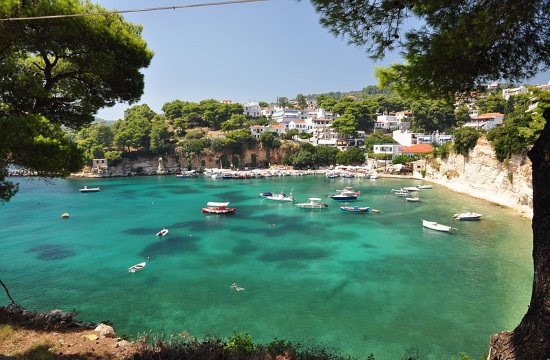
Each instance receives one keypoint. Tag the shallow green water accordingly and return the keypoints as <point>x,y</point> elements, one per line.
<point>363,283</point>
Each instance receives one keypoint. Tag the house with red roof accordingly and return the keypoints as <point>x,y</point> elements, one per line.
<point>485,121</point>
<point>417,149</point>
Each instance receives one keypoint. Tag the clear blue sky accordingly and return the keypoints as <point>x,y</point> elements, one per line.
<point>243,52</point>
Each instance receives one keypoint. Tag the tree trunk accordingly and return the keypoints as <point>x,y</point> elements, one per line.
<point>530,340</point>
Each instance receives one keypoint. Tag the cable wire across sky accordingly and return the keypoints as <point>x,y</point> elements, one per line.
<point>130,11</point>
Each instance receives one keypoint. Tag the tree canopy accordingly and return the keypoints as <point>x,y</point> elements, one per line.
<point>448,46</point>
<point>56,74</point>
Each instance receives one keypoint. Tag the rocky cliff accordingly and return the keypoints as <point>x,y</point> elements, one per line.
<point>481,175</point>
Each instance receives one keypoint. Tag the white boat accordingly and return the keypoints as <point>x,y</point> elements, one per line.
<point>87,189</point>
<point>137,267</point>
<point>344,196</point>
<point>355,209</point>
<point>218,208</point>
<point>412,198</point>
<point>188,174</point>
<point>410,188</point>
<point>280,196</point>
<point>349,189</point>
<point>313,203</point>
<point>467,216</point>
<point>436,226</point>
<point>424,186</point>
<point>163,232</point>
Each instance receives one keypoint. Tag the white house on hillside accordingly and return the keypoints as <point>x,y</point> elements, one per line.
<point>400,120</point>
<point>485,121</point>
<point>507,93</point>
<point>252,109</point>
<point>407,138</point>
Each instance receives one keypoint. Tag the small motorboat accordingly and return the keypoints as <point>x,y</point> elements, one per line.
<point>65,215</point>
<point>467,216</point>
<point>188,174</point>
<point>163,232</point>
<point>313,203</point>
<point>344,196</point>
<point>87,189</point>
<point>436,226</point>
<point>280,196</point>
<point>213,207</point>
<point>412,198</point>
<point>420,186</point>
<point>410,188</point>
<point>137,267</point>
<point>349,189</point>
<point>355,209</point>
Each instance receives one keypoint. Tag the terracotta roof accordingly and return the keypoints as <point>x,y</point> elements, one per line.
<point>418,148</point>
<point>488,116</point>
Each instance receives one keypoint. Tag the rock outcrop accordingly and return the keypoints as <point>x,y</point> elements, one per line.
<point>481,175</point>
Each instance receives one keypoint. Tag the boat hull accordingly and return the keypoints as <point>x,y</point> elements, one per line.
<point>355,209</point>
<point>436,226</point>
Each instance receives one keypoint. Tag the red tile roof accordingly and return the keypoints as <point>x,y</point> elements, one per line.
<point>418,148</point>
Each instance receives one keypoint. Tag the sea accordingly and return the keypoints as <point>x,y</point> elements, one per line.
<point>357,284</point>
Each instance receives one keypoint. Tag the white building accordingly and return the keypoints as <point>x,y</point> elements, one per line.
<point>485,121</point>
<point>400,120</point>
<point>388,149</point>
<point>252,109</point>
<point>407,138</point>
<point>507,93</point>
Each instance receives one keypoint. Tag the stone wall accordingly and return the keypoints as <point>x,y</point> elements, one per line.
<point>481,175</point>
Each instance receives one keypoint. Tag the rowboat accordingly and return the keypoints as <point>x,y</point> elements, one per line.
<point>137,267</point>
<point>355,209</point>
<point>218,208</point>
<point>163,232</point>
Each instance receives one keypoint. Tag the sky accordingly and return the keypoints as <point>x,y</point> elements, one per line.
<point>244,52</point>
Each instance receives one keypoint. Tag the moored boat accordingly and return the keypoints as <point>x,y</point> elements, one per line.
<point>213,207</point>
<point>162,232</point>
<point>280,196</point>
<point>350,190</point>
<point>344,196</point>
<point>412,198</point>
<point>313,203</point>
<point>436,226</point>
<point>137,267</point>
<point>427,186</point>
<point>467,216</point>
<point>355,209</point>
<point>87,189</point>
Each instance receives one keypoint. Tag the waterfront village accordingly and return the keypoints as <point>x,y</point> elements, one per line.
<point>316,122</point>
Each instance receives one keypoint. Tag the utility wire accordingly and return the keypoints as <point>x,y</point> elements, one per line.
<point>130,11</point>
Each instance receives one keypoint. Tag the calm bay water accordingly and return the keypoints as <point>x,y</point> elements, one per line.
<point>362,283</point>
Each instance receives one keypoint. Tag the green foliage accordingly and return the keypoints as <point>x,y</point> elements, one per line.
<point>493,103</point>
<point>240,343</point>
<point>443,150</point>
<point>269,141</point>
<point>351,156</point>
<point>378,138</point>
<point>506,141</point>
<point>465,140</point>
<point>403,159</point>
<point>446,46</point>
<point>346,125</point>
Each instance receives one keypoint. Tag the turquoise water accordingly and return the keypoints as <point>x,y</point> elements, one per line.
<point>361,283</point>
